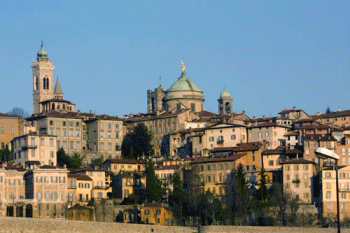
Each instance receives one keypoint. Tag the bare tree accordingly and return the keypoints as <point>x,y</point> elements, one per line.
<point>16,111</point>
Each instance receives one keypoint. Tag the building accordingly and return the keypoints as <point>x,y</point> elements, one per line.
<point>45,96</point>
<point>271,133</point>
<point>100,180</point>
<point>210,174</point>
<point>127,165</point>
<point>127,183</point>
<point>156,214</point>
<point>288,116</point>
<point>327,206</point>
<point>79,189</point>
<point>10,127</point>
<point>225,103</point>
<point>35,147</point>
<point>47,191</point>
<point>312,141</point>
<point>298,179</point>
<point>82,213</point>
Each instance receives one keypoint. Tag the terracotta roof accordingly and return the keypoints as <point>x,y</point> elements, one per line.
<point>319,137</point>
<point>8,115</point>
<point>291,134</point>
<point>249,146</point>
<point>286,111</point>
<point>334,114</point>
<point>297,161</point>
<point>79,176</point>
<point>314,127</point>
<point>127,161</point>
<point>77,115</point>
<point>154,116</point>
<point>214,160</point>
<point>131,174</point>
<point>305,120</point>
<point>277,150</point>
<point>268,124</point>
<point>207,114</point>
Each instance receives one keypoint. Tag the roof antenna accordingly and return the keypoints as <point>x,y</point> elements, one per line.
<point>339,107</point>
<point>160,80</point>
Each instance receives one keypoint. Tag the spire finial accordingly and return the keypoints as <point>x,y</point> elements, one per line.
<point>183,66</point>
<point>160,80</point>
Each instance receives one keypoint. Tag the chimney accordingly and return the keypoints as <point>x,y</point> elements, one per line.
<point>294,108</point>
<point>243,112</point>
<point>263,116</point>
<point>90,112</point>
<point>254,118</point>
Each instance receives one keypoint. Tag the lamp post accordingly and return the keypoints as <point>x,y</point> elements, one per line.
<point>324,153</point>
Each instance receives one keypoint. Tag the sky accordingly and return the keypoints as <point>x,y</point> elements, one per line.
<point>270,55</point>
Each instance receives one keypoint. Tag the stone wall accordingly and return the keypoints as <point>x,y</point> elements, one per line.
<point>246,229</point>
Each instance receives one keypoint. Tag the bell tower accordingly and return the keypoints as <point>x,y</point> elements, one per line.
<point>225,103</point>
<point>43,86</point>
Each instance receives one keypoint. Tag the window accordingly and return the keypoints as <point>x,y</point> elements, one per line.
<point>296,167</point>
<point>54,196</point>
<point>306,167</point>
<point>158,212</point>
<point>259,134</point>
<point>233,137</point>
<point>53,179</point>
<point>70,197</point>
<point>117,126</point>
<point>77,124</point>
<point>271,162</point>
<point>62,179</point>
<point>71,145</point>
<point>328,195</point>
<point>64,133</point>
<point>329,206</point>
<point>193,107</point>
<point>47,196</point>
<point>71,133</point>
<point>12,130</point>
<point>147,212</point>
<point>102,134</point>
<point>287,168</point>
<point>342,175</point>
<point>39,195</point>
<point>2,130</point>
<point>77,133</point>
<point>211,139</point>
<point>64,123</point>
<point>99,184</point>
<point>73,184</point>
<point>343,195</point>
<point>42,142</point>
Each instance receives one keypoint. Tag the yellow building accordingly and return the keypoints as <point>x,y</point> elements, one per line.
<point>10,127</point>
<point>298,179</point>
<point>328,193</point>
<point>210,174</point>
<point>101,181</point>
<point>81,213</point>
<point>79,189</point>
<point>126,183</point>
<point>156,214</point>
<point>127,165</point>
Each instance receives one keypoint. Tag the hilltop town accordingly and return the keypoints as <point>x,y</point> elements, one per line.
<point>176,164</point>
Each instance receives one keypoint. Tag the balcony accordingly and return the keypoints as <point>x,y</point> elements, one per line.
<point>220,142</point>
<point>29,147</point>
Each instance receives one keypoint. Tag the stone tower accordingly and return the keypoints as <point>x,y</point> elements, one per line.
<point>43,86</point>
<point>225,103</point>
<point>155,100</point>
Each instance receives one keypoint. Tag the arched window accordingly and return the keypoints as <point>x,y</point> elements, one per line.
<point>63,106</point>
<point>53,106</point>
<point>228,108</point>
<point>44,83</point>
<point>47,84</point>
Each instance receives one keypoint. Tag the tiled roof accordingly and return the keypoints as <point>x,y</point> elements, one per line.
<point>314,127</point>
<point>268,124</point>
<point>79,176</point>
<point>249,146</point>
<point>286,111</point>
<point>277,150</point>
<point>334,114</point>
<point>319,137</point>
<point>204,114</point>
<point>297,161</point>
<point>56,100</point>
<point>214,160</point>
<point>77,115</point>
<point>167,167</point>
<point>127,161</point>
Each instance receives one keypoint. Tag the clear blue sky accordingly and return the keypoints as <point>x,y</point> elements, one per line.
<point>270,55</point>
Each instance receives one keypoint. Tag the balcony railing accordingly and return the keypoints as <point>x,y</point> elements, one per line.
<point>220,142</point>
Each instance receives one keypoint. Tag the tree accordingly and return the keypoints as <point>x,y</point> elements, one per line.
<point>238,197</point>
<point>328,110</point>
<point>137,143</point>
<point>177,199</point>
<point>18,112</point>
<point>263,191</point>
<point>76,161</point>
<point>154,190</point>
<point>5,155</point>
<point>279,201</point>
<point>98,162</point>
<point>63,158</point>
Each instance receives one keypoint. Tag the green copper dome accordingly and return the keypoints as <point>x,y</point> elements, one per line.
<point>42,53</point>
<point>183,84</point>
<point>225,93</point>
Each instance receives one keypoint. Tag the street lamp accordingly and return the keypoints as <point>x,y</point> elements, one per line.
<point>324,153</point>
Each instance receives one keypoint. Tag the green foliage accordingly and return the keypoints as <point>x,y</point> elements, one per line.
<point>137,143</point>
<point>328,110</point>
<point>5,155</point>
<point>263,191</point>
<point>154,190</point>
<point>63,158</point>
<point>97,162</point>
<point>209,209</point>
<point>178,200</point>
<point>76,161</point>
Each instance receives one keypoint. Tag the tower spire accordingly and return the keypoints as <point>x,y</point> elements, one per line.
<point>58,89</point>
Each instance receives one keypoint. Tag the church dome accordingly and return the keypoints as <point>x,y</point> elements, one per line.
<point>42,53</point>
<point>183,84</point>
<point>225,93</point>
